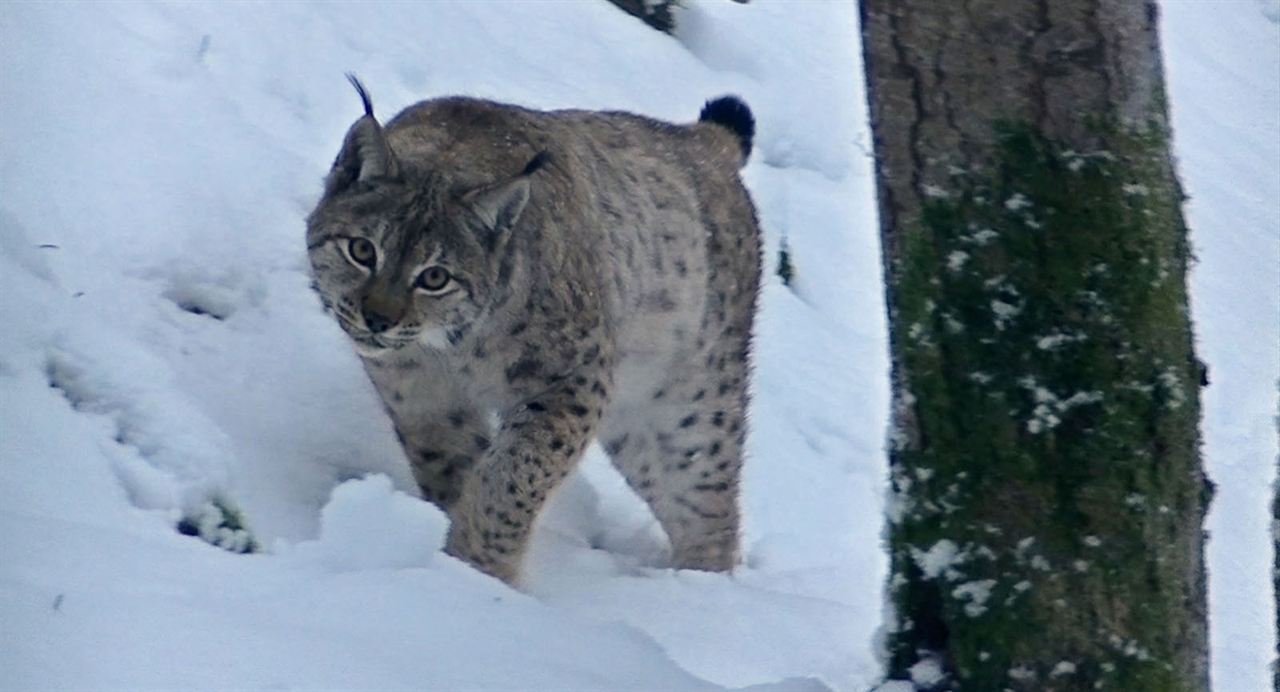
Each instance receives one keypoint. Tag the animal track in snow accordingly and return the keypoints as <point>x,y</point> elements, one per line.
<point>201,291</point>
<point>70,378</point>
<point>202,300</point>
<point>167,455</point>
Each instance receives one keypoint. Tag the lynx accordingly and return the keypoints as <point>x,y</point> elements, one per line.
<point>520,283</point>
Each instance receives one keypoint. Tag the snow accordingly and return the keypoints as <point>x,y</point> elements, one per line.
<point>1062,668</point>
<point>1223,68</point>
<point>368,525</point>
<point>164,360</point>
<point>927,672</point>
<point>1017,202</point>
<point>939,558</point>
<point>163,357</point>
<point>976,593</point>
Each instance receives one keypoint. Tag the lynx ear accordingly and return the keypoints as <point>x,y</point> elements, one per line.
<point>499,205</point>
<point>365,154</point>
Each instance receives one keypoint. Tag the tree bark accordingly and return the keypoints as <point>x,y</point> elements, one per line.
<point>1047,490</point>
<point>655,13</point>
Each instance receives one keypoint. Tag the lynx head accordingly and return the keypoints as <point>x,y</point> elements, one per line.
<point>403,255</point>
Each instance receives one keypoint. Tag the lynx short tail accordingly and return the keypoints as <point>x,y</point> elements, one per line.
<point>732,113</point>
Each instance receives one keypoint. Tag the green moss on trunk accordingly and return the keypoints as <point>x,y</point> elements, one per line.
<point>1047,468</point>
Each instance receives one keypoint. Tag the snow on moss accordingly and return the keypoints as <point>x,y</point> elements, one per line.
<point>1171,382</point>
<point>1056,340</point>
<point>1017,202</point>
<point>1062,668</point>
<point>927,673</point>
<point>975,595</point>
<point>1004,313</point>
<point>1022,674</point>
<point>1049,407</point>
<point>935,192</point>
<point>939,559</point>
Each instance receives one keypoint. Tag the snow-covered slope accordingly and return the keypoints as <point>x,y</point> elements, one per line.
<point>1223,64</point>
<point>162,349</point>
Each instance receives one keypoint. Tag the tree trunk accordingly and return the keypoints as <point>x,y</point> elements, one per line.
<point>655,13</point>
<point>1048,496</point>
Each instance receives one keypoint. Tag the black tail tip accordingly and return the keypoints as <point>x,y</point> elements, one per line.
<point>732,113</point>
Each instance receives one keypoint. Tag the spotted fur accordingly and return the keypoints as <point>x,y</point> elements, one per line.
<point>604,271</point>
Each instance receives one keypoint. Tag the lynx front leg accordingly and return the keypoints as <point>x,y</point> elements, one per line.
<point>442,451</point>
<point>441,429</point>
<point>537,445</point>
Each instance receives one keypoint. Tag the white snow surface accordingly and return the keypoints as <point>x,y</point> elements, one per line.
<point>161,348</point>
<point>1223,68</point>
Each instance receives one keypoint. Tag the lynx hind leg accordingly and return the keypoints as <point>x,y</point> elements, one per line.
<point>682,454</point>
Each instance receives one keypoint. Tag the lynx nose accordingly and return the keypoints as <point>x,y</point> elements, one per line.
<point>375,322</point>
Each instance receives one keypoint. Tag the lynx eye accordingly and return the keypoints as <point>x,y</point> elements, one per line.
<point>363,252</point>
<point>434,279</point>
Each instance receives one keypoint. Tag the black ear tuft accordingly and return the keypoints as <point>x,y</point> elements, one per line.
<point>364,93</point>
<point>365,155</point>
<point>536,164</point>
